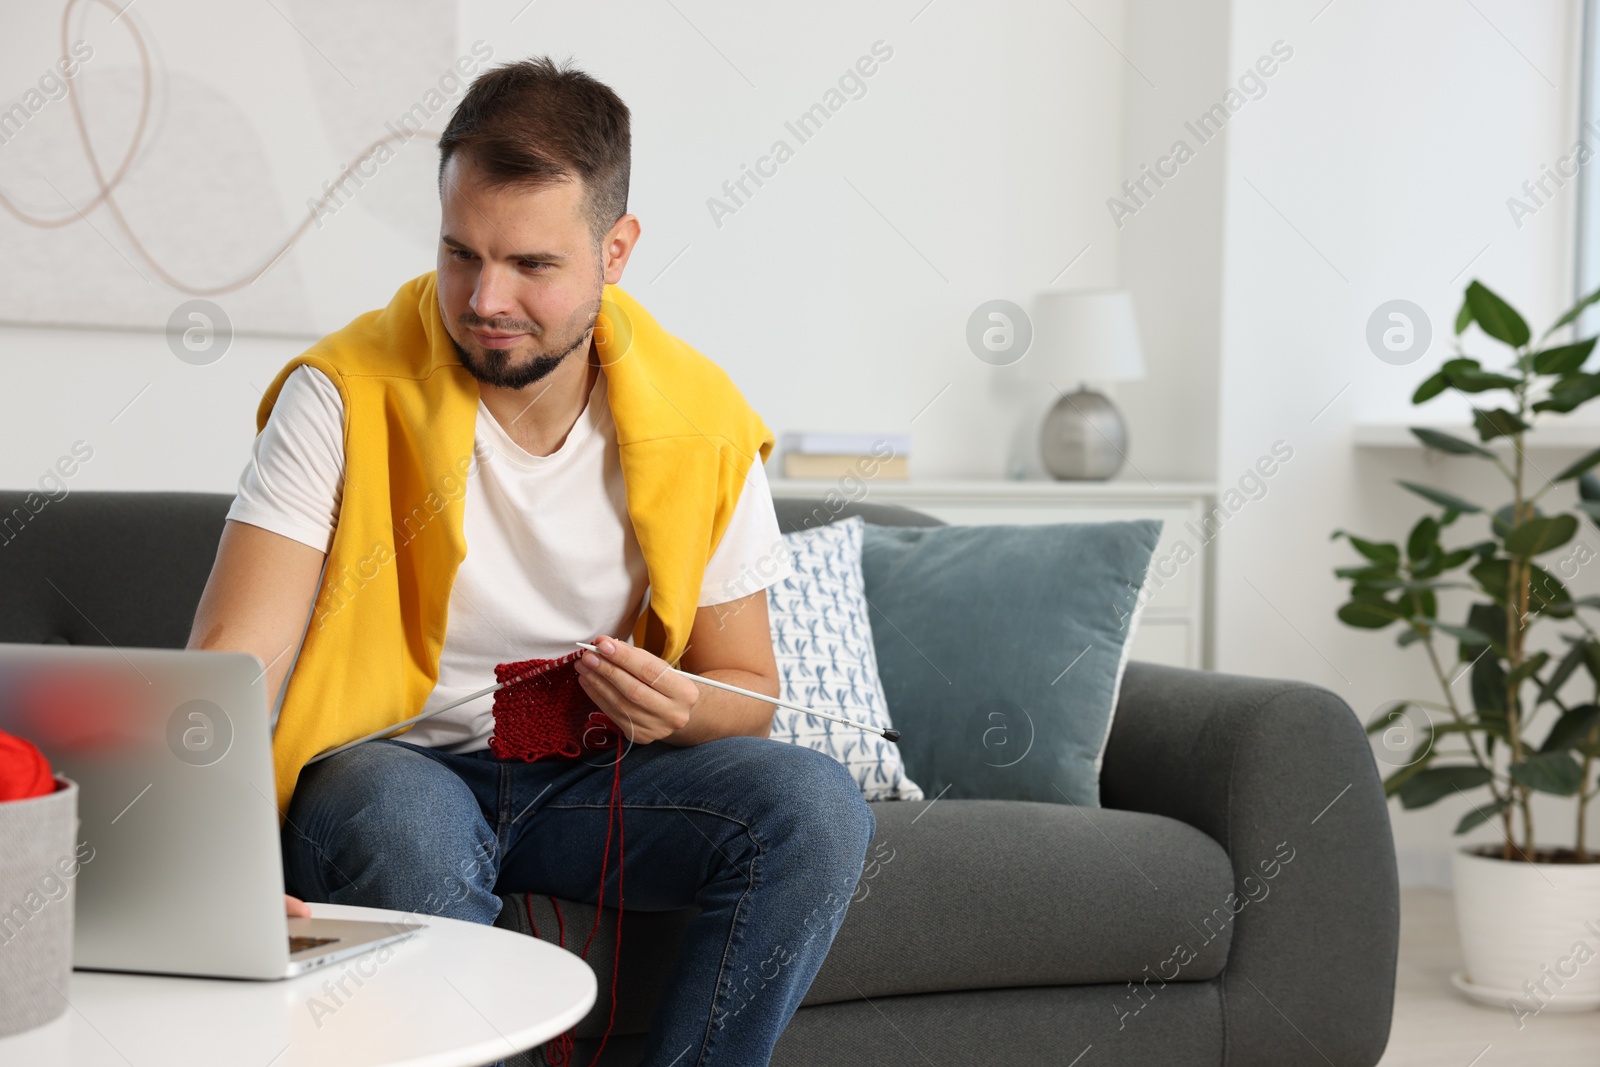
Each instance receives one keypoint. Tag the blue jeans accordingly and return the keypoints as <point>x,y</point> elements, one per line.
<point>766,838</point>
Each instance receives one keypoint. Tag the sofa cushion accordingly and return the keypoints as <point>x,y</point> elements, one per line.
<point>1001,649</point>
<point>974,894</point>
<point>822,643</point>
<point>979,894</point>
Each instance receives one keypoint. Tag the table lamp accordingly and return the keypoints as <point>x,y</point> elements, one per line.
<point>1089,335</point>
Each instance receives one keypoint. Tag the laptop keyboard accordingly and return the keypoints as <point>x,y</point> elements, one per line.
<point>298,943</point>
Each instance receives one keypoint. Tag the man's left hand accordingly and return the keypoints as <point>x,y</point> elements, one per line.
<point>640,692</point>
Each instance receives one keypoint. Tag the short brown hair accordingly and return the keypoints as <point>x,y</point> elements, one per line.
<point>533,123</point>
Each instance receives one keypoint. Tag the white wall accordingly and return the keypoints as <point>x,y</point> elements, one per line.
<point>1172,245</point>
<point>837,296</point>
<point>1378,168</point>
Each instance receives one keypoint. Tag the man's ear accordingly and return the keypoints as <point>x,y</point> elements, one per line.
<point>617,246</point>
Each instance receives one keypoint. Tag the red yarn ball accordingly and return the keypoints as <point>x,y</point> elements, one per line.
<point>24,772</point>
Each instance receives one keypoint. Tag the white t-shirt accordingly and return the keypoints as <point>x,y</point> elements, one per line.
<point>551,553</point>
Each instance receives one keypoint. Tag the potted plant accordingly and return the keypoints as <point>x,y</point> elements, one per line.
<point>1523,904</point>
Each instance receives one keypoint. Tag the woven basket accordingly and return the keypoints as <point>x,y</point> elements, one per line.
<point>38,870</point>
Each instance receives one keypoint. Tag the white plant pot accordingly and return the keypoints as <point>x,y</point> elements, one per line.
<point>1530,933</point>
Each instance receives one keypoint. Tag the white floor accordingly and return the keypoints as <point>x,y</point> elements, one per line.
<point>1434,1026</point>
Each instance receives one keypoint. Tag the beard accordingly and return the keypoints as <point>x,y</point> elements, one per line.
<point>494,366</point>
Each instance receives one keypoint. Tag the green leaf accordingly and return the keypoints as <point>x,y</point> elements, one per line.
<point>1440,497</point>
<point>1424,538</point>
<point>1570,392</point>
<point>1465,634</point>
<point>1544,591</point>
<point>1572,729</point>
<point>1444,442</point>
<point>1493,575</point>
<point>1370,572</point>
<point>1504,518</point>
<point>1408,636</point>
<point>1489,687</point>
<point>1564,670</point>
<point>1476,380</point>
<point>1564,610</point>
<point>1435,783</point>
<point>1579,467</point>
<point>1393,783</point>
<point>1480,815</point>
<point>1565,359</point>
<point>1589,487</point>
<point>1573,313</point>
<point>1385,552</point>
<point>1549,772</point>
<point>1431,387</point>
<point>1388,716</point>
<point>1488,622</point>
<point>1371,590</point>
<point>1496,423</point>
<point>1415,602</point>
<point>1448,562</point>
<point>1369,613</point>
<point>1591,661</point>
<point>1529,667</point>
<point>1495,317</point>
<point>1385,586</point>
<point>1463,318</point>
<point>1537,536</point>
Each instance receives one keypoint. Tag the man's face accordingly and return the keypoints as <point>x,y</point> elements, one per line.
<point>520,277</point>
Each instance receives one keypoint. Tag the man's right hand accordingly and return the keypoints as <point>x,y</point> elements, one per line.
<point>296,908</point>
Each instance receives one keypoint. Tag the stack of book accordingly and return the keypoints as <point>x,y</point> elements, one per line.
<point>835,455</point>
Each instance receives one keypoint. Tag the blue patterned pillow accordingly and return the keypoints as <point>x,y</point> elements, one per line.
<point>823,642</point>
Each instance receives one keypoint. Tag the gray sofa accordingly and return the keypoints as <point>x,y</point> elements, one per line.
<point>989,932</point>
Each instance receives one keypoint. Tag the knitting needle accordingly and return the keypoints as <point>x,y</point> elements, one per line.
<point>387,730</point>
<point>887,735</point>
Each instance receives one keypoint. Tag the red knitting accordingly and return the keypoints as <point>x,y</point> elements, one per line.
<point>542,712</point>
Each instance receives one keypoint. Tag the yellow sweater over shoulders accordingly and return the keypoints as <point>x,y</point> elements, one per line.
<point>686,438</point>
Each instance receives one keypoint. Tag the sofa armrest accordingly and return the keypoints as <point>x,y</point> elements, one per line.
<point>1267,766</point>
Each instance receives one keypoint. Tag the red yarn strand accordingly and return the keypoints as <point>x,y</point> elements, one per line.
<point>616,949</point>
<point>542,712</point>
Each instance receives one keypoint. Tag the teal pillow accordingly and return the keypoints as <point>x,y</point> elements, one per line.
<point>1001,649</point>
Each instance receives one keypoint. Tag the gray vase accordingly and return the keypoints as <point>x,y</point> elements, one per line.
<point>1083,437</point>
<point>38,873</point>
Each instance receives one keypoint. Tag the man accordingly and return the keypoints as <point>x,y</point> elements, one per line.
<point>510,457</point>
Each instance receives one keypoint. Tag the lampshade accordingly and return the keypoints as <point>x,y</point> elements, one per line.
<point>1089,335</point>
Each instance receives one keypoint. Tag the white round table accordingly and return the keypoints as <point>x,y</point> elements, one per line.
<point>455,994</point>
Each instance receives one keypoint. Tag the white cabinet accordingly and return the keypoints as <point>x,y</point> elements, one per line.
<point>1175,626</point>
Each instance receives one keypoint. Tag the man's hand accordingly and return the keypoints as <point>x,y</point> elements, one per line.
<point>296,908</point>
<point>730,642</point>
<point>640,692</point>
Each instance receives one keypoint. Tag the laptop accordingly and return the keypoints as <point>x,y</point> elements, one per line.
<point>178,849</point>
